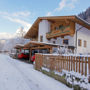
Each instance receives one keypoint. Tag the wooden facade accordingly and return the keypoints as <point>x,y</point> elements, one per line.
<point>59,29</point>
<point>56,21</point>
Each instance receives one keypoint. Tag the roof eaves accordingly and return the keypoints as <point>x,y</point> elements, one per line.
<point>82,20</point>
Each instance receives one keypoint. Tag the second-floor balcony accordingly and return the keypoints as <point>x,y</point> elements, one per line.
<point>60,31</point>
<point>57,33</point>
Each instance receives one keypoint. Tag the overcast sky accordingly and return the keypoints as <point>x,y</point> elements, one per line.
<point>17,13</point>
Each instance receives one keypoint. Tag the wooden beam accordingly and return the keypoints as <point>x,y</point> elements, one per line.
<point>44,47</point>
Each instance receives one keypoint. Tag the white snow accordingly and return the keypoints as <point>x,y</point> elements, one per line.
<point>70,77</point>
<point>46,69</point>
<point>56,54</point>
<point>17,75</point>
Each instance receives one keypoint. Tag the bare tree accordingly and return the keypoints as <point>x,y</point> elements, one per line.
<point>21,32</point>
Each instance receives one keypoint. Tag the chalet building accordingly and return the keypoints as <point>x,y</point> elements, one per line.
<point>69,31</point>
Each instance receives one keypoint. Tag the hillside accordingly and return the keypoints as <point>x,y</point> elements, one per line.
<point>85,15</point>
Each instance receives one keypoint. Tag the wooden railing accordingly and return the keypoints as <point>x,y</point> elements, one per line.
<point>58,63</point>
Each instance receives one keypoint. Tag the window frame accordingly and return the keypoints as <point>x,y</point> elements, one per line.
<point>54,42</point>
<point>79,43</point>
<point>85,43</point>
<point>41,38</point>
<point>65,43</point>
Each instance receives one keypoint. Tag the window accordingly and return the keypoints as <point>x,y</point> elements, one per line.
<point>56,28</point>
<point>60,26</point>
<point>41,38</point>
<point>53,42</point>
<point>65,41</point>
<point>85,43</point>
<point>79,42</point>
<point>26,51</point>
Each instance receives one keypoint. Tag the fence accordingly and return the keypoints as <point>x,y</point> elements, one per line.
<point>58,63</point>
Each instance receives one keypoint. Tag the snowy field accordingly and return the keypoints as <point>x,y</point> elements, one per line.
<point>17,75</point>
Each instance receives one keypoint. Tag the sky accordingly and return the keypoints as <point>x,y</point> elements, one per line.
<point>22,13</point>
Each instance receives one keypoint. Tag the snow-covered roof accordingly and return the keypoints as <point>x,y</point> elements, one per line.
<point>45,43</point>
<point>32,43</point>
<point>19,46</point>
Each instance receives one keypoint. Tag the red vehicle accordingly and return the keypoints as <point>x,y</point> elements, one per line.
<point>37,51</point>
<point>33,58</point>
<point>33,55</point>
<point>23,54</point>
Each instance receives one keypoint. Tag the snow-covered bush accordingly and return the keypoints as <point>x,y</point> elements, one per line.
<point>64,50</point>
<point>76,78</point>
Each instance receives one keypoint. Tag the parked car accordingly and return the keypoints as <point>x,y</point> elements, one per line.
<point>23,54</point>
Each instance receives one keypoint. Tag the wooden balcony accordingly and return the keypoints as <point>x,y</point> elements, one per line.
<point>58,33</point>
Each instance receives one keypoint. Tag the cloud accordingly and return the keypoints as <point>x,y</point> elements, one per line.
<point>24,14</point>
<point>15,17</point>
<point>22,22</point>
<point>61,5</point>
<point>69,4</point>
<point>49,14</point>
<point>16,14</point>
<point>3,13</point>
<point>66,4</point>
<point>5,35</point>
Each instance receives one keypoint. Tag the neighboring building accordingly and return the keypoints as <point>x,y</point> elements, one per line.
<point>70,31</point>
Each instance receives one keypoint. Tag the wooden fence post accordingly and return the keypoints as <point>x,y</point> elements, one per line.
<point>71,62</point>
<point>67,62</point>
<point>63,61</point>
<point>38,61</point>
<point>76,63</point>
<point>89,69</point>
<point>85,66</point>
<point>79,64</point>
<point>82,66</point>
<point>60,63</point>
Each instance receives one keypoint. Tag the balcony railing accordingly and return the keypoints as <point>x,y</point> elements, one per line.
<point>57,33</point>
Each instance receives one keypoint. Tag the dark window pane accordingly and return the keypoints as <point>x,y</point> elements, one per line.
<point>65,41</point>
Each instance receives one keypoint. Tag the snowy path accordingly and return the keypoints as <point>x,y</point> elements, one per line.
<point>16,75</point>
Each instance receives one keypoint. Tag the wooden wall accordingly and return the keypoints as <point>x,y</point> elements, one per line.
<point>61,29</point>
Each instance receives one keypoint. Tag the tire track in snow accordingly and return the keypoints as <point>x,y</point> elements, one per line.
<point>29,82</point>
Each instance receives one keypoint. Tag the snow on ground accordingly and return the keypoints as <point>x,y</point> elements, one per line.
<point>17,75</point>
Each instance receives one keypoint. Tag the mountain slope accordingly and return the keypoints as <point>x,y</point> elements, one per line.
<point>85,15</point>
